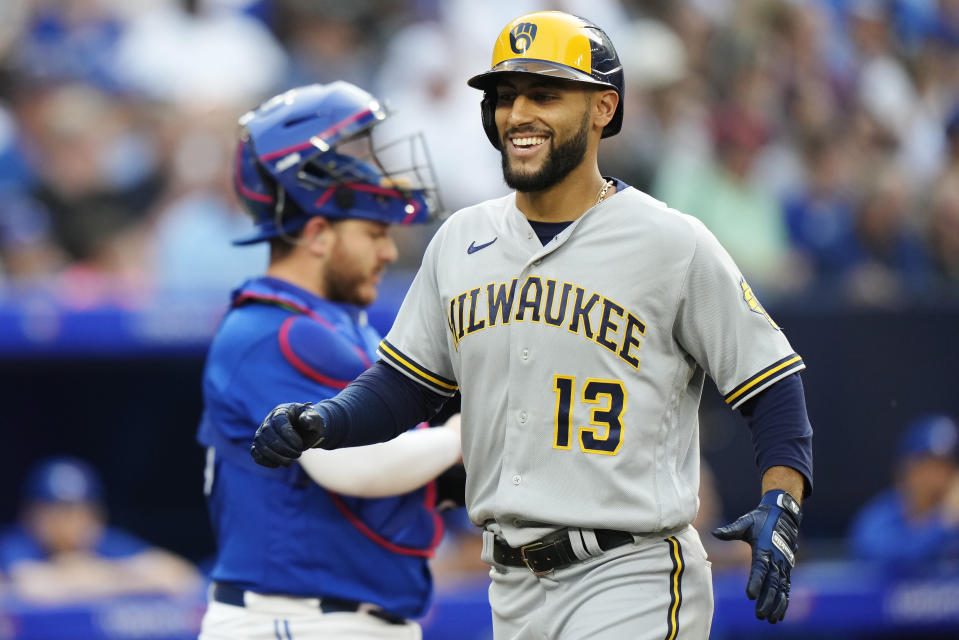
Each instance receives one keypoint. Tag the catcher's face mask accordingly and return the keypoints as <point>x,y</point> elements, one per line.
<point>314,151</point>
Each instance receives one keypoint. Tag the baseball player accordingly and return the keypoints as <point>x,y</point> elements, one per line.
<point>337,546</point>
<point>578,317</point>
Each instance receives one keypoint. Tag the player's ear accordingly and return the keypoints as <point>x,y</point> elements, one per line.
<point>603,107</point>
<point>317,235</point>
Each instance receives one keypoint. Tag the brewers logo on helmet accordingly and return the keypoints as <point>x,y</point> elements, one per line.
<point>310,152</point>
<point>554,44</point>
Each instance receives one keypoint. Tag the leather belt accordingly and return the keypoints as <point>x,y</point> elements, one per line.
<point>543,556</point>
<point>226,593</point>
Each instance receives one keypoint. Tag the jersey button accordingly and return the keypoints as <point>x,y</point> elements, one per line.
<point>522,417</point>
<point>517,479</point>
<point>537,263</point>
<point>525,354</point>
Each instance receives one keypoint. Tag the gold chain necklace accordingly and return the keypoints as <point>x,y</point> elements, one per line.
<point>602,192</point>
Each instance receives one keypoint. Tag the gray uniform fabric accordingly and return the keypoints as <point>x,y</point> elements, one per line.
<point>661,587</point>
<point>581,363</point>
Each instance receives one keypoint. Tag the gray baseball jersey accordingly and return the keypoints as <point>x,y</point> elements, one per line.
<point>581,363</point>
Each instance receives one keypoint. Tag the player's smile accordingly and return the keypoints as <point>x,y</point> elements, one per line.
<point>526,145</point>
<point>544,125</point>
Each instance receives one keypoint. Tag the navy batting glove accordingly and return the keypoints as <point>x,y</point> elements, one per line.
<point>772,530</point>
<point>285,433</point>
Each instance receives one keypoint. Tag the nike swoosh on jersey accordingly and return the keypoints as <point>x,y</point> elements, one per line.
<point>473,248</point>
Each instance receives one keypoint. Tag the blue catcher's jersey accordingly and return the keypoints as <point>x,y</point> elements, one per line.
<point>278,531</point>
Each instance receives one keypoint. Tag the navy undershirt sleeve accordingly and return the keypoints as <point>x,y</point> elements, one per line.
<point>781,433</point>
<point>379,405</point>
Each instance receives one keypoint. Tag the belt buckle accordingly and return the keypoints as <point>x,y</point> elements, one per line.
<point>522,554</point>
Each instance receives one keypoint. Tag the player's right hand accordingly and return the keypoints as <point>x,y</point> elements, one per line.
<point>288,430</point>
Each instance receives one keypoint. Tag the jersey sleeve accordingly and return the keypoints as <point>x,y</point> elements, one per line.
<point>722,325</point>
<point>417,343</point>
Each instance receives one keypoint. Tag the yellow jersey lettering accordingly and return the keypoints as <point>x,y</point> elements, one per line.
<point>557,319</point>
<point>460,300</point>
<point>581,311</point>
<point>542,299</point>
<point>474,326</point>
<point>499,300</point>
<point>451,323</point>
<point>526,301</point>
<point>633,325</point>
<point>606,324</point>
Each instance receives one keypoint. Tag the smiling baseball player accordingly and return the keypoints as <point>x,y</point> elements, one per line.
<point>579,318</point>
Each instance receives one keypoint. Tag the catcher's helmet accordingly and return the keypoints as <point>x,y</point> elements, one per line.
<point>554,44</point>
<point>309,152</point>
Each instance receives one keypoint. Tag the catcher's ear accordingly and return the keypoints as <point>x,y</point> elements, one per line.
<point>317,235</point>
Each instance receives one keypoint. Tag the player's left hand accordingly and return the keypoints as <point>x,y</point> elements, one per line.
<point>772,530</point>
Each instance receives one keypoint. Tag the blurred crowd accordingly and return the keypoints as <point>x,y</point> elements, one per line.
<point>818,139</point>
<point>63,546</point>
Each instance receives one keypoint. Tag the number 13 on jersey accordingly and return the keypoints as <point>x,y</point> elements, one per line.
<point>606,402</point>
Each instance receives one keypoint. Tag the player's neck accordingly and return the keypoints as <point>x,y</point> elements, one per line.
<point>565,201</point>
<point>288,271</point>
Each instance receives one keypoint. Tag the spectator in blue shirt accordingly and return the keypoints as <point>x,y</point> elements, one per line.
<point>917,519</point>
<point>62,548</point>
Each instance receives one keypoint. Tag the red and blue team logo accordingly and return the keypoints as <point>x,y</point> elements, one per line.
<point>521,37</point>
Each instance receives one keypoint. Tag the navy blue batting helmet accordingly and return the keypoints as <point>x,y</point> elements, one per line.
<point>310,152</point>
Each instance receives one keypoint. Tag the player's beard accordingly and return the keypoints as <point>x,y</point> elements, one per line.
<point>560,161</point>
<point>347,281</point>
